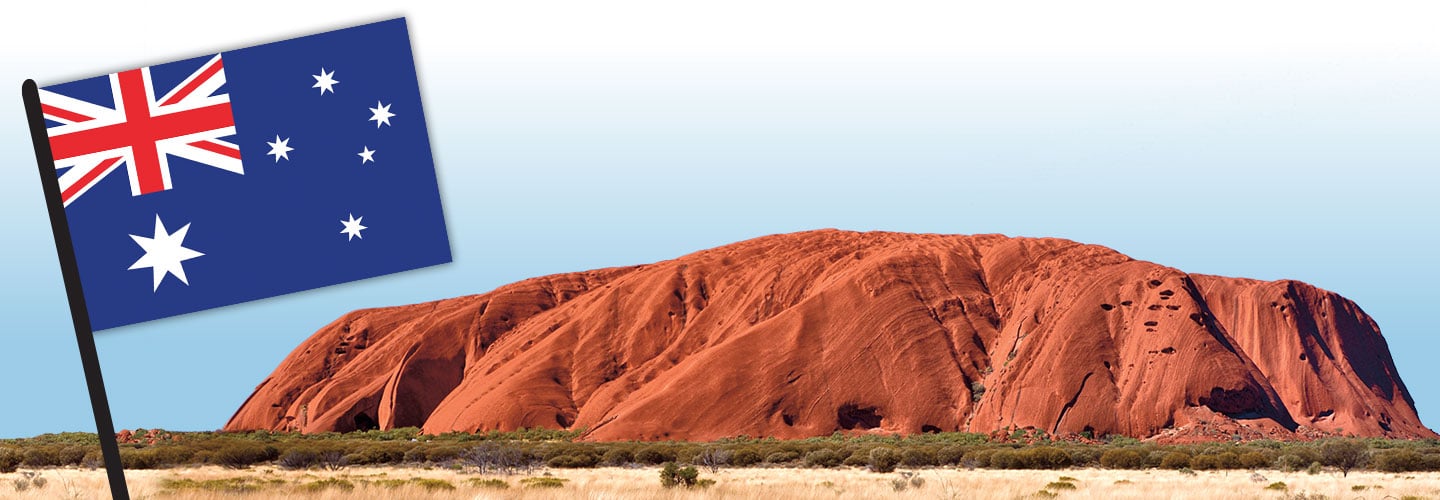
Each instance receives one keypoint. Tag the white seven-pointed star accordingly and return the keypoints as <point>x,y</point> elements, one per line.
<point>380,114</point>
<point>352,228</point>
<point>164,253</point>
<point>325,81</point>
<point>280,148</point>
<point>367,154</point>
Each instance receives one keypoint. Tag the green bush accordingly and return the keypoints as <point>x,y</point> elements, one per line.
<point>950,455</point>
<point>10,460</point>
<point>781,457</point>
<point>53,456</point>
<point>1046,457</point>
<point>1005,459</point>
<point>1399,461</point>
<point>1175,460</point>
<point>239,455</point>
<point>617,456</point>
<point>1344,454</point>
<point>823,457</point>
<point>1254,460</point>
<point>328,483</point>
<point>1205,462</point>
<point>745,457</point>
<point>543,482</point>
<point>577,460</point>
<point>672,475</point>
<point>654,455</point>
<point>431,484</point>
<point>917,457</point>
<point>1122,459</point>
<point>139,459</point>
<point>379,454</point>
<point>498,484</point>
<point>884,459</point>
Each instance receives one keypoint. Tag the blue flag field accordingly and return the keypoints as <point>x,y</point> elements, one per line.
<point>246,174</point>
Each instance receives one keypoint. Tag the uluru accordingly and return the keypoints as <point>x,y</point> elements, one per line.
<point>812,333</point>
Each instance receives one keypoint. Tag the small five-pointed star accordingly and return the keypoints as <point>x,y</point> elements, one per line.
<point>325,81</point>
<point>367,155</point>
<point>352,228</point>
<point>164,253</point>
<point>280,148</point>
<point>380,114</point>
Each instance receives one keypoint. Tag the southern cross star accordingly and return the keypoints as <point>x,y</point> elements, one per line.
<point>164,253</point>
<point>325,81</point>
<point>352,228</point>
<point>280,148</point>
<point>367,155</point>
<point>380,114</point>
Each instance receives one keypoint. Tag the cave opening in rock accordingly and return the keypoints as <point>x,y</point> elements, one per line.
<point>852,416</point>
<point>363,422</point>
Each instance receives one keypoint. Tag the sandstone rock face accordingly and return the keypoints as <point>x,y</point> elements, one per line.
<point>810,333</point>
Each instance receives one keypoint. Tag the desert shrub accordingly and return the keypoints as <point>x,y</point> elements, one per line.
<point>1314,468</point>
<point>543,482</point>
<point>1046,457</point>
<point>654,455</point>
<point>1278,486</point>
<point>1344,454</point>
<point>1204,462</point>
<point>781,457</point>
<point>298,459</point>
<point>431,484</point>
<point>379,454</point>
<point>1398,461</point>
<point>884,459</point>
<point>168,455</point>
<point>138,459</point>
<point>577,460</point>
<point>1228,460</point>
<point>239,455</point>
<point>714,457</point>
<point>53,456</point>
<point>1122,459</point>
<point>1254,460</point>
<point>1005,459</point>
<point>1084,456</point>
<point>1060,486</point>
<point>672,475</point>
<point>950,455</point>
<point>328,483</point>
<point>1175,460</point>
<point>977,457</point>
<point>617,456</point>
<point>745,457</point>
<point>917,457</point>
<point>495,458</point>
<point>859,457</point>
<point>823,457</point>
<point>1290,462</point>
<point>10,460</point>
<point>498,484</point>
<point>438,454</point>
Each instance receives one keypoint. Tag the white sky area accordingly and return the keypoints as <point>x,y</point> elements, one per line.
<point>767,29</point>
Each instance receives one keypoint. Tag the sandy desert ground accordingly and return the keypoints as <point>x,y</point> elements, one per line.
<point>766,484</point>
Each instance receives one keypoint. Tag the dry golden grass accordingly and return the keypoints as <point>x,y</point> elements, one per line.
<point>759,484</point>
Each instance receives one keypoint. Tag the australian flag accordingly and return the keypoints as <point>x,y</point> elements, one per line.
<point>246,174</point>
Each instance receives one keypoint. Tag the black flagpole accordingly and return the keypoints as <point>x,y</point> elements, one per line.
<point>79,314</point>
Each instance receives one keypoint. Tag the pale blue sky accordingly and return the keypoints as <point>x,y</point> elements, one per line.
<point>1286,143</point>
